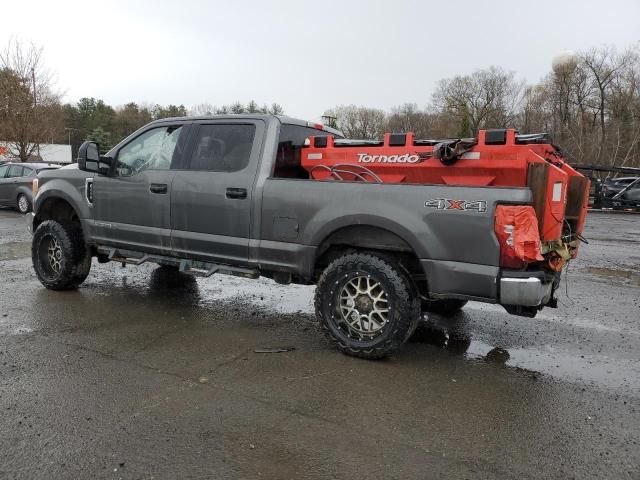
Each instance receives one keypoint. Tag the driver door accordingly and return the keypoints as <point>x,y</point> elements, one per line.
<point>132,207</point>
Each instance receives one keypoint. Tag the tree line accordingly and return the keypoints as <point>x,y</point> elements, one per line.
<point>32,112</point>
<point>588,102</point>
<point>92,119</point>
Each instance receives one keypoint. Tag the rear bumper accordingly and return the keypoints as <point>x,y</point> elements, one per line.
<point>529,291</point>
<point>487,283</point>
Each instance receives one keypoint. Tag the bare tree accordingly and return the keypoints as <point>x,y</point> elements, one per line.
<point>31,111</point>
<point>485,98</point>
<point>604,65</point>
<point>359,122</point>
<point>409,118</point>
<point>203,110</point>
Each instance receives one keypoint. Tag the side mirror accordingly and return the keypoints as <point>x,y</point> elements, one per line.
<point>90,160</point>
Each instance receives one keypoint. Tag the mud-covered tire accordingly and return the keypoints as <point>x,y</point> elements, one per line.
<point>23,204</point>
<point>59,256</point>
<point>446,308</point>
<point>400,292</point>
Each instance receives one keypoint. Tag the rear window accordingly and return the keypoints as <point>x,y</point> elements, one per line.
<point>290,146</point>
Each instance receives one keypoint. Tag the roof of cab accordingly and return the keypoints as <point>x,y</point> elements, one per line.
<point>252,116</point>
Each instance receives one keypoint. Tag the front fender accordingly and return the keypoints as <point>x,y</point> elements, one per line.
<point>64,189</point>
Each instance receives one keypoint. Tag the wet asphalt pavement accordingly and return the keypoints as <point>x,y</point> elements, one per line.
<point>147,374</point>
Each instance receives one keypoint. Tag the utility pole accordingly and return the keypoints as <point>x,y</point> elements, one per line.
<point>330,121</point>
<point>35,104</point>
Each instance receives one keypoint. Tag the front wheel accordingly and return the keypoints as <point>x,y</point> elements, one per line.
<point>60,258</point>
<point>367,305</point>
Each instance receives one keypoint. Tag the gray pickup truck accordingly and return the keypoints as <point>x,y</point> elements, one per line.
<point>227,194</point>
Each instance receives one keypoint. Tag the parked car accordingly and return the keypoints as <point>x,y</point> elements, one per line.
<point>15,184</point>
<point>613,186</point>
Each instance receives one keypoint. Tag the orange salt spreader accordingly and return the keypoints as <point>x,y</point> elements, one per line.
<point>496,158</point>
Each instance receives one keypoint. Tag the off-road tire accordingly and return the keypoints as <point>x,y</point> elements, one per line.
<point>23,205</point>
<point>446,308</point>
<point>401,293</point>
<point>74,262</point>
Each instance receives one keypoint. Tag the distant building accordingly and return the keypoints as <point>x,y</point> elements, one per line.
<point>49,153</point>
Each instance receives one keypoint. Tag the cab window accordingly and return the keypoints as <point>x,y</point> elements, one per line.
<point>3,170</point>
<point>222,148</point>
<point>153,150</point>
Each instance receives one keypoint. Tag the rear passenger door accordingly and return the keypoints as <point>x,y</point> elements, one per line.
<point>212,195</point>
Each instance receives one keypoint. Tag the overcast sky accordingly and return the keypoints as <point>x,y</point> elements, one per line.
<point>306,56</point>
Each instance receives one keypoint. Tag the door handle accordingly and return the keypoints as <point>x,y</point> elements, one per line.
<point>237,193</point>
<point>158,188</point>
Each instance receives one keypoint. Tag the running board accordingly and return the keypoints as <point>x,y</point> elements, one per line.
<point>192,267</point>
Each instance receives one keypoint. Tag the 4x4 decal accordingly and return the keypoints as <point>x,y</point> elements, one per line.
<point>462,205</point>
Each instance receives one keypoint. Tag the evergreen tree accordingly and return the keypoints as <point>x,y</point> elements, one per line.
<point>102,138</point>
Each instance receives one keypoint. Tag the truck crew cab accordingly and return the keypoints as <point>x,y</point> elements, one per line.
<point>236,194</point>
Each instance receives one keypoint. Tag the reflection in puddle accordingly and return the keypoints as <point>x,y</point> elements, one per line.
<point>545,359</point>
<point>169,283</point>
<point>498,355</point>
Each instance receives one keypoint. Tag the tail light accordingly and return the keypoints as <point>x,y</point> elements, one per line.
<point>517,231</point>
<point>34,187</point>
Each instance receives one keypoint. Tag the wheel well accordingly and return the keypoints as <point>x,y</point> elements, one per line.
<point>366,237</point>
<point>56,209</point>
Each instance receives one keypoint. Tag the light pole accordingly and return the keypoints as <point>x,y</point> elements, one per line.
<point>69,130</point>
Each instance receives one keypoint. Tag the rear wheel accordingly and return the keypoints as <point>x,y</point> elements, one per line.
<point>23,204</point>
<point>60,258</point>
<point>367,304</point>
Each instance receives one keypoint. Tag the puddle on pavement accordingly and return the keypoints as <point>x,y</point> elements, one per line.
<point>621,276</point>
<point>545,360</point>
<point>14,250</point>
<point>262,292</point>
<point>453,338</point>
